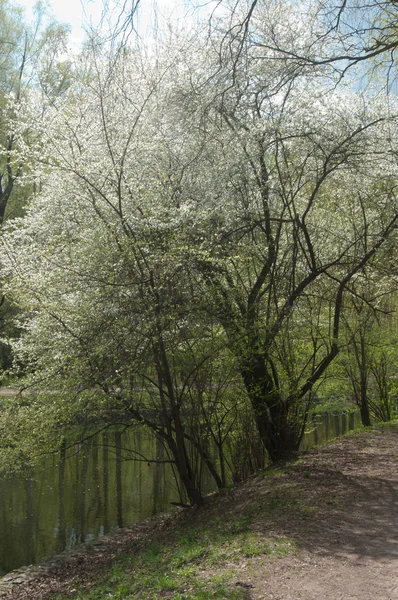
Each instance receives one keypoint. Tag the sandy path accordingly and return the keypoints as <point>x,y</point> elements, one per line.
<point>351,549</point>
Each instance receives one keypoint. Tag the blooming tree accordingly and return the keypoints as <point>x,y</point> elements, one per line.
<point>200,210</point>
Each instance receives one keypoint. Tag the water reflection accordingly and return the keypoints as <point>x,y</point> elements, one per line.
<point>81,494</point>
<point>61,494</point>
<point>29,545</point>
<point>119,502</point>
<point>325,426</point>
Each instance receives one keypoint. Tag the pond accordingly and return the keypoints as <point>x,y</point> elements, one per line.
<point>81,495</point>
<point>95,487</point>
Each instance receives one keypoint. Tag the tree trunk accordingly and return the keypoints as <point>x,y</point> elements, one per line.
<point>182,461</point>
<point>271,415</point>
<point>364,404</point>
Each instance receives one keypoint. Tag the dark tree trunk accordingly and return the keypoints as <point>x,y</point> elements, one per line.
<point>271,414</point>
<point>182,461</point>
<point>364,404</point>
<point>360,384</point>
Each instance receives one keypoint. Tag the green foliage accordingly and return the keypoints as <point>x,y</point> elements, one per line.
<point>369,362</point>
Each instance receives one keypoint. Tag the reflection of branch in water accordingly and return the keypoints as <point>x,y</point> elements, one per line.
<point>88,438</point>
<point>105,474</point>
<point>119,501</point>
<point>130,454</point>
<point>61,539</point>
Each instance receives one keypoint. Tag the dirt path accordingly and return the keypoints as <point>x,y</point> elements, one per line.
<point>338,503</point>
<point>350,551</point>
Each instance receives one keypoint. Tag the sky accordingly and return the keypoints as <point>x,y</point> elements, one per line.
<point>78,12</point>
<point>69,11</point>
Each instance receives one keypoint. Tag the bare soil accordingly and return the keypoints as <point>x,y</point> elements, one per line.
<point>337,503</point>
<point>350,550</point>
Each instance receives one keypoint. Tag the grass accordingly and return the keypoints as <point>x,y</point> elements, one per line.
<point>197,562</point>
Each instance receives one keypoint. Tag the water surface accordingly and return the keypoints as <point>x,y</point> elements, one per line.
<point>92,488</point>
<point>81,495</point>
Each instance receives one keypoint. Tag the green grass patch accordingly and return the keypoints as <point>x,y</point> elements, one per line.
<point>195,563</point>
<point>273,472</point>
<point>282,502</point>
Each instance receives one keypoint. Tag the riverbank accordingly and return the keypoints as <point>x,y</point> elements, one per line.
<point>323,526</point>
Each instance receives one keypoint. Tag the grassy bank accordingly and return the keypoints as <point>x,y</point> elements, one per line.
<point>202,553</point>
<point>231,544</point>
<point>198,555</point>
<point>197,562</point>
